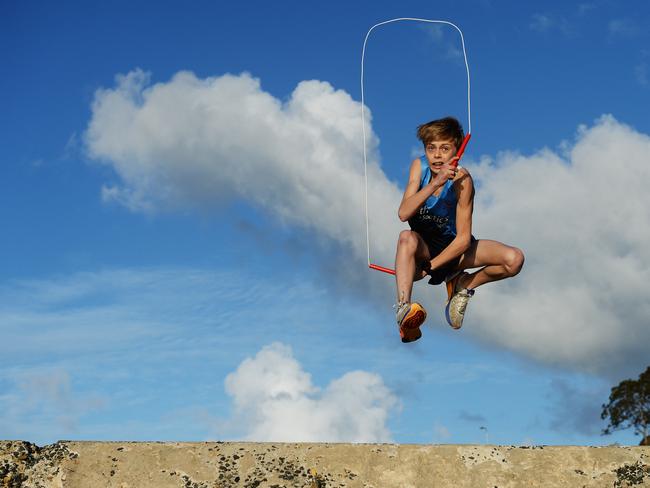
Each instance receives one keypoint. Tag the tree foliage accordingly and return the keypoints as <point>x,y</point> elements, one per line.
<point>629,407</point>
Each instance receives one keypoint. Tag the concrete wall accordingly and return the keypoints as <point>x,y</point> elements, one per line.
<point>216,464</point>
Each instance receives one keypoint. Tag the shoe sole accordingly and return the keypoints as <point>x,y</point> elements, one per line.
<point>409,331</point>
<point>449,318</point>
<point>411,336</point>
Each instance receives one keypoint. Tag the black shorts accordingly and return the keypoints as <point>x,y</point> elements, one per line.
<point>435,247</point>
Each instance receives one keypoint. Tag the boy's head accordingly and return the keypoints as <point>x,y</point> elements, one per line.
<point>444,129</point>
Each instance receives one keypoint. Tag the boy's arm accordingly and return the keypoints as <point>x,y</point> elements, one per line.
<point>464,187</point>
<point>413,198</point>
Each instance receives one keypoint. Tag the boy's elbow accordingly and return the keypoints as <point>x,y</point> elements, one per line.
<point>402,215</point>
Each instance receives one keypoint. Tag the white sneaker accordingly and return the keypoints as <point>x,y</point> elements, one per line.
<point>457,300</point>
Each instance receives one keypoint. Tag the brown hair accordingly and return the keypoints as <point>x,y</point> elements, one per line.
<point>446,128</point>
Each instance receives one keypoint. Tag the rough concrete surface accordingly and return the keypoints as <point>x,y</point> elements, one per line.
<point>275,465</point>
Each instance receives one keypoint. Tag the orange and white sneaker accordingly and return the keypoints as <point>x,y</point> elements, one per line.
<point>457,300</point>
<point>410,316</point>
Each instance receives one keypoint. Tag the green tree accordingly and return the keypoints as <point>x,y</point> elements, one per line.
<point>629,407</point>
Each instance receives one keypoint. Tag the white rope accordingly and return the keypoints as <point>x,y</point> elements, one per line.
<point>363,102</point>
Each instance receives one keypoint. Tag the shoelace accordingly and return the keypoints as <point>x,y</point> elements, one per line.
<point>398,306</point>
<point>399,310</point>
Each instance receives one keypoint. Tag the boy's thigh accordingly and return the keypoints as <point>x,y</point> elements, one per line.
<point>484,252</point>
<point>423,257</point>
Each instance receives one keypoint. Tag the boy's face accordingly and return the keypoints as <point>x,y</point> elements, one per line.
<point>440,152</point>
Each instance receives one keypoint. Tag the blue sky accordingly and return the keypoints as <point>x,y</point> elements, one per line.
<point>183,219</point>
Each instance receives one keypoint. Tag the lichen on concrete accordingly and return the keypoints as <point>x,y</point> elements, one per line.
<point>23,464</point>
<point>275,465</point>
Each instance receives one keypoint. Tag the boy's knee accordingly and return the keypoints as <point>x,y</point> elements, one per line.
<point>514,260</point>
<point>408,240</point>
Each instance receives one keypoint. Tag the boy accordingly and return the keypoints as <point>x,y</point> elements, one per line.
<point>438,204</point>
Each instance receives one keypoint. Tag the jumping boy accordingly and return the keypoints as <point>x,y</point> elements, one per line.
<point>438,204</point>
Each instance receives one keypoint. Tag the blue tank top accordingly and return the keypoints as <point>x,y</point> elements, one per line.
<point>436,219</point>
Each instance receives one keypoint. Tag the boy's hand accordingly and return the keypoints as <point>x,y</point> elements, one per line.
<point>446,172</point>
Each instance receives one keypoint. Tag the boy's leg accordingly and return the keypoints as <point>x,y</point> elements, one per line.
<point>411,258</point>
<point>496,260</point>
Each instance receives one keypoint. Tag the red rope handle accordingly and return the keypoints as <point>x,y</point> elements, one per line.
<point>381,268</point>
<point>460,152</point>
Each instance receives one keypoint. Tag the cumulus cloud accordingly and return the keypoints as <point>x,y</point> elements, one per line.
<point>582,219</point>
<point>204,141</point>
<point>277,401</point>
<point>580,214</point>
<point>81,348</point>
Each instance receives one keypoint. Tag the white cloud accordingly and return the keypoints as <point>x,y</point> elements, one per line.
<point>200,142</point>
<point>580,217</point>
<point>132,335</point>
<point>275,398</point>
<point>581,300</point>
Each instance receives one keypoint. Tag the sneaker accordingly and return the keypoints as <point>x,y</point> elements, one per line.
<point>410,316</point>
<point>457,300</point>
